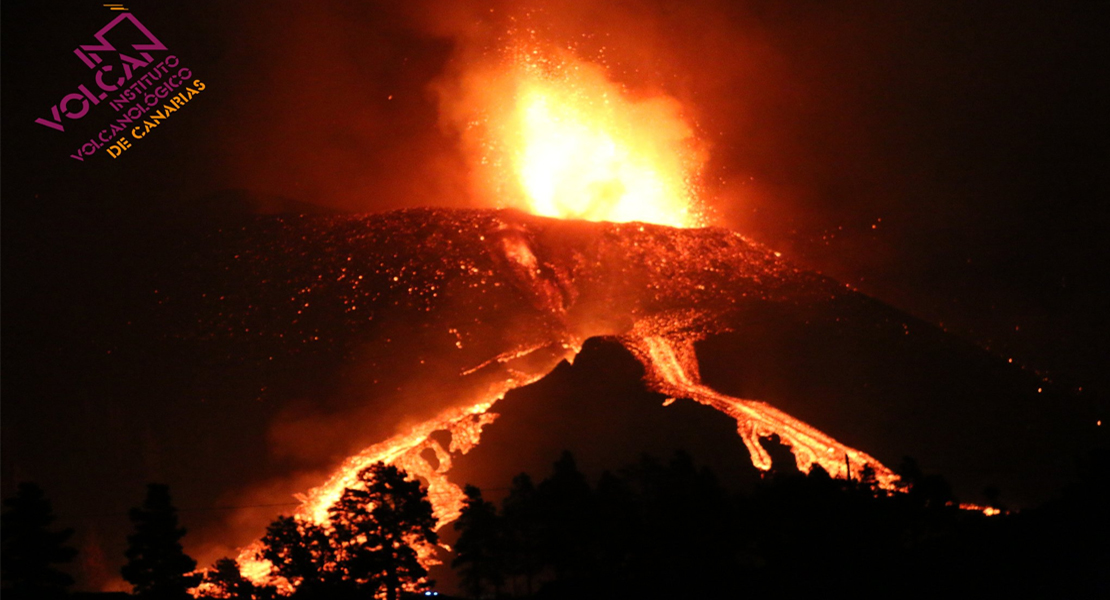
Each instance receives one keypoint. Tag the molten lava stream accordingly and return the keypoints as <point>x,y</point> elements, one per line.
<point>405,451</point>
<point>672,369</point>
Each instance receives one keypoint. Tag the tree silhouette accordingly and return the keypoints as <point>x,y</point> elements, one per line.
<point>225,580</point>
<point>677,533</point>
<point>783,463</point>
<point>521,528</point>
<point>480,548</point>
<point>31,549</point>
<point>656,530</point>
<point>157,567</point>
<point>618,519</point>
<point>304,554</point>
<point>378,525</point>
<point>563,500</point>
<point>930,491</point>
<point>368,546</point>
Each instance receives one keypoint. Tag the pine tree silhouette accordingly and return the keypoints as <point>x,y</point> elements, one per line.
<point>225,580</point>
<point>305,555</point>
<point>157,566</point>
<point>31,549</point>
<point>480,547</point>
<point>378,523</point>
<point>564,499</point>
<point>523,557</point>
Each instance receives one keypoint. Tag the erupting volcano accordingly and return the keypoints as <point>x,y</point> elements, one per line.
<point>746,294</point>
<point>600,233</point>
<point>497,298</point>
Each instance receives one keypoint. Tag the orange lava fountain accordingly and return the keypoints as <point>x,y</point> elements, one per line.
<point>555,136</point>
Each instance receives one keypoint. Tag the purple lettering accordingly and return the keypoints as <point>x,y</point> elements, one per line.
<point>88,94</point>
<point>107,86</point>
<point>74,115</point>
<point>56,124</point>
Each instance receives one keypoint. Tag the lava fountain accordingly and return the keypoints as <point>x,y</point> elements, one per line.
<point>553,135</point>
<point>606,240</point>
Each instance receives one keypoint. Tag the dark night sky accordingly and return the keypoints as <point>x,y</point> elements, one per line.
<point>947,158</point>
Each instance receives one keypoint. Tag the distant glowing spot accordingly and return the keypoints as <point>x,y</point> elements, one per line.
<point>989,511</point>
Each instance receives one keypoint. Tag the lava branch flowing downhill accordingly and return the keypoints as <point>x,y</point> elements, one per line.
<point>670,368</point>
<point>522,291</point>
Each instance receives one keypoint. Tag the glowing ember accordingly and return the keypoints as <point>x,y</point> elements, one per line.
<point>555,136</point>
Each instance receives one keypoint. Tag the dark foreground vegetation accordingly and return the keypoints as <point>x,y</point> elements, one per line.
<point>670,530</point>
<point>653,529</point>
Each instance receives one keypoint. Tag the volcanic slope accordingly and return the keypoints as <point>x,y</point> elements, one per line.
<point>418,313</point>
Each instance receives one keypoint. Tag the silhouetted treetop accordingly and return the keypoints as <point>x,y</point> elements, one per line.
<point>302,553</point>
<point>157,566</point>
<point>369,547</point>
<point>480,550</point>
<point>225,580</point>
<point>380,523</point>
<point>31,550</point>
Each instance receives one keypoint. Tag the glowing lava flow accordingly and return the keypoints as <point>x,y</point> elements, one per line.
<point>672,369</point>
<point>407,452</point>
